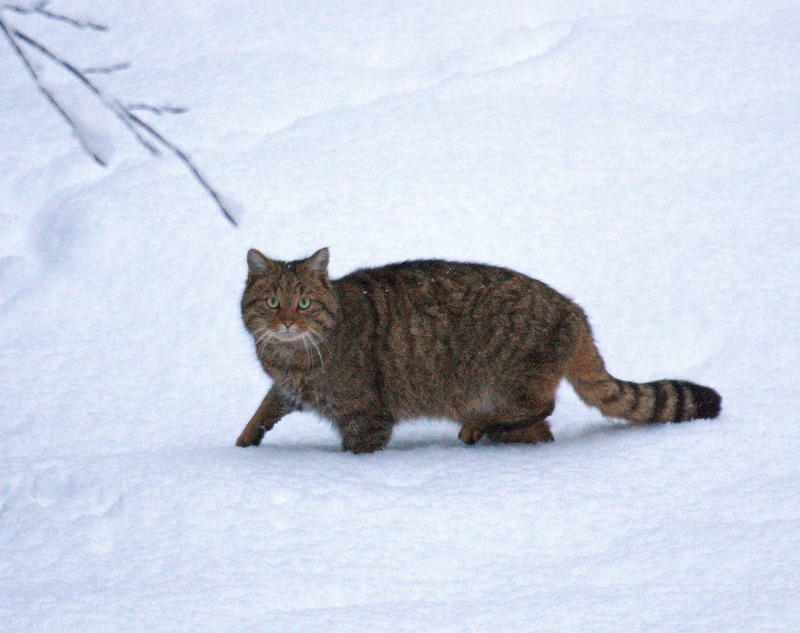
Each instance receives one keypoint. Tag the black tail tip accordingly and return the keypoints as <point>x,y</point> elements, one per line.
<point>707,402</point>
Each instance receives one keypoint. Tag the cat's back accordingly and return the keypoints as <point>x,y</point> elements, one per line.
<point>427,308</point>
<point>453,286</point>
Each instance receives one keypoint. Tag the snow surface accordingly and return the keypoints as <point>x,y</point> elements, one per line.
<point>641,156</point>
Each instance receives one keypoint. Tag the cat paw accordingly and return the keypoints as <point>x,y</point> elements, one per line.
<point>369,444</point>
<point>360,449</point>
<point>250,437</point>
<point>470,434</point>
<point>533,434</point>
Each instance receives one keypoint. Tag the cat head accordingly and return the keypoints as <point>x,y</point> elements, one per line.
<point>288,303</point>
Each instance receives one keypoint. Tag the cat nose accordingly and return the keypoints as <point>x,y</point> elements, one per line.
<point>288,323</point>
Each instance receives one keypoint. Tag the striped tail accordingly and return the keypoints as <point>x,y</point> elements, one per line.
<point>658,401</point>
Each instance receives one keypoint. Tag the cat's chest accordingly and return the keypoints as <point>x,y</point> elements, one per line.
<point>310,389</point>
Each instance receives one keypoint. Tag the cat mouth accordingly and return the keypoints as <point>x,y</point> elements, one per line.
<point>287,336</point>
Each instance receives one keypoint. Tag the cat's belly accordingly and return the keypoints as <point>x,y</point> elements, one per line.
<point>404,395</point>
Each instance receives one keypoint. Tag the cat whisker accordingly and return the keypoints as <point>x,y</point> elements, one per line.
<point>319,338</point>
<point>304,338</point>
<point>309,336</point>
<point>263,339</point>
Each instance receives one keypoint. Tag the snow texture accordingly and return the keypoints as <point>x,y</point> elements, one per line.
<point>642,157</point>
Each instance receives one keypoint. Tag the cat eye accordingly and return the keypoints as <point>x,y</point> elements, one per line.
<point>303,303</point>
<point>272,302</point>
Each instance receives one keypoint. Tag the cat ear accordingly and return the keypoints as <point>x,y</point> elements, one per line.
<point>318,262</point>
<point>257,262</point>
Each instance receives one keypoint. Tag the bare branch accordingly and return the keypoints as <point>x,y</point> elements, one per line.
<point>106,70</point>
<point>40,9</point>
<point>125,113</point>
<point>114,105</point>
<point>188,162</point>
<point>157,110</point>
<point>47,94</point>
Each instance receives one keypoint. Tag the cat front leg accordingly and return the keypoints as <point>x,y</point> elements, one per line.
<point>472,432</point>
<point>363,434</point>
<point>272,408</point>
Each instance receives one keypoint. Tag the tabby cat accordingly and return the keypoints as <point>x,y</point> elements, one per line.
<point>482,345</point>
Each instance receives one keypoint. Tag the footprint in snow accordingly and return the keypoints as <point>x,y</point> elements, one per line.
<point>58,230</point>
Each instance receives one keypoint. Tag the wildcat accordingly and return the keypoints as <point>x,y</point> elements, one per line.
<point>482,345</point>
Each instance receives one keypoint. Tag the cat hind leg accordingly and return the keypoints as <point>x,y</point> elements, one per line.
<point>523,422</point>
<point>532,433</point>
<point>522,426</point>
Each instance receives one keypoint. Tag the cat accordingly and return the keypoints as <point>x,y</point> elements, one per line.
<point>481,345</point>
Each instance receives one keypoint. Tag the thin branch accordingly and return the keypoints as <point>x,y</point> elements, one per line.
<point>40,9</point>
<point>124,113</point>
<point>47,94</point>
<point>189,164</point>
<point>106,70</point>
<point>157,110</point>
<point>114,105</point>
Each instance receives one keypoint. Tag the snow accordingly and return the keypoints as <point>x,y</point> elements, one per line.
<point>641,157</point>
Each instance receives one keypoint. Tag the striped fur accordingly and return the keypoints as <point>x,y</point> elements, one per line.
<point>482,345</point>
<point>650,402</point>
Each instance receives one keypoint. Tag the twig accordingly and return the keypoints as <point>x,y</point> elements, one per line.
<point>189,164</point>
<point>106,70</point>
<point>125,113</point>
<point>40,9</point>
<point>47,94</point>
<point>111,103</point>
<point>157,110</point>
